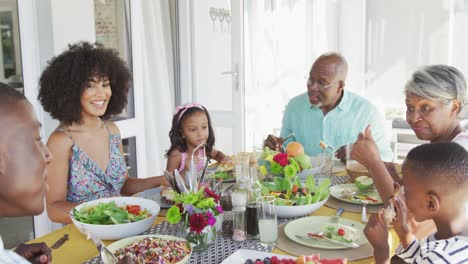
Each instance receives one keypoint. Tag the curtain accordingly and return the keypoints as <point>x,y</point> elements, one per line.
<point>157,82</point>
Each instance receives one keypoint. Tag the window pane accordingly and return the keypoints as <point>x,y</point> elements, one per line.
<point>112,25</point>
<point>10,53</point>
<point>129,147</point>
<point>400,37</point>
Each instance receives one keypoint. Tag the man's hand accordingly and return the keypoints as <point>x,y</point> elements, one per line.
<point>35,253</point>
<point>376,232</point>
<point>341,154</point>
<point>274,143</point>
<point>125,260</point>
<point>365,150</point>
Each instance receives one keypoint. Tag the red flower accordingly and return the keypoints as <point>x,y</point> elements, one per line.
<point>282,159</point>
<point>197,223</point>
<point>210,193</point>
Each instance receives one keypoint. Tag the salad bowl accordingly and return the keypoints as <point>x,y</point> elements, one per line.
<point>121,226</point>
<point>296,198</point>
<point>285,211</point>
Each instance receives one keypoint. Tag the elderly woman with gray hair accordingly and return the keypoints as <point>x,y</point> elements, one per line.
<point>435,99</point>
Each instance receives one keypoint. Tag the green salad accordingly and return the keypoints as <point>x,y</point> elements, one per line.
<point>293,192</point>
<point>221,175</point>
<point>339,234</point>
<point>110,214</point>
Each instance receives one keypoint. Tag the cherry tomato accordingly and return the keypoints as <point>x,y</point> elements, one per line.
<point>133,209</point>
<point>295,188</point>
<point>341,232</point>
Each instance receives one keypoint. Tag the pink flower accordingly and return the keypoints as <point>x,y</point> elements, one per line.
<point>210,218</point>
<point>219,209</point>
<point>197,223</point>
<point>282,159</point>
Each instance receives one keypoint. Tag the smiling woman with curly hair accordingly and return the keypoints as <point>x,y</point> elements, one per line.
<point>83,88</point>
<point>66,77</point>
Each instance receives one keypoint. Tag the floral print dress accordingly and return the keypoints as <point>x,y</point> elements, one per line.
<point>87,181</point>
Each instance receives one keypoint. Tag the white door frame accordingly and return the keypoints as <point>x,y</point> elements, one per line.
<point>234,119</point>
<point>31,63</point>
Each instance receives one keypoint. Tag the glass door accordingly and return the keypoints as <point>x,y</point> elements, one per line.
<point>217,68</point>
<point>112,21</point>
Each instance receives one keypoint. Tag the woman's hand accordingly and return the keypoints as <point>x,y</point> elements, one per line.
<point>365,150</point>
<point>35,253</point>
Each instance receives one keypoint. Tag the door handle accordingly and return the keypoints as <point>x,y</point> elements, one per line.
<point>230,72</point>
<point>235,74</point>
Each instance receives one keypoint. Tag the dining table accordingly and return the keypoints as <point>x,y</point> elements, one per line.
<point>80,250</point>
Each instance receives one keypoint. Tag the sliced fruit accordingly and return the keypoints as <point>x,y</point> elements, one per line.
<point>365,184</point>
<point>361,178</point>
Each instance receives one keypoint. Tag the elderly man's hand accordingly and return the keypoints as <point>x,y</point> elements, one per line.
<point>274,143</point>
<point>365,150</point>
<point>341,154</point>
<point>35,253</point>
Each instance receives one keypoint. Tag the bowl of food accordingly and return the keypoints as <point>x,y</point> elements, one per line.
<point>151,249</point>
<point>321,164</point>
<point>296,198</point>
<point>116,217</point>
<point>356,169</point>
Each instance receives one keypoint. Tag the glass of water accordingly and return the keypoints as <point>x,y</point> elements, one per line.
<point>267,223</point>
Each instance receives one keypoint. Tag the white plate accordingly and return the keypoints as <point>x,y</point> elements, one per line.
<point>337,192</point>
<point>315,224</point>
<point>242,255</point>
<point>130,240</point>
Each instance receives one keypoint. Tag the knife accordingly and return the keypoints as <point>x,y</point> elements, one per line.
<point>324,238</point>
<point>103,250</point>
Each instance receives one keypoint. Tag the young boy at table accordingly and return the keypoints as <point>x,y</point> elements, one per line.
<point>435,182</point>
<point>23,160</point>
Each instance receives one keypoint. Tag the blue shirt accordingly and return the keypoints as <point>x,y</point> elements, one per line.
<point>337,128</point>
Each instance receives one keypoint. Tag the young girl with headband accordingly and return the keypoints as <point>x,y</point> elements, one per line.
<point>191,126</point>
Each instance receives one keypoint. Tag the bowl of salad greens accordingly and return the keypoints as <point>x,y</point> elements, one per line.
<point>116,217</point>
<point>296,198</point>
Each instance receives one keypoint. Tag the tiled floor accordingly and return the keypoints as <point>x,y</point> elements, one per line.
<point>16,230</point>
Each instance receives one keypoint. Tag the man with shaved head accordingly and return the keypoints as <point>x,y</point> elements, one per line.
<point>23,160</point>
<point>329,113</point>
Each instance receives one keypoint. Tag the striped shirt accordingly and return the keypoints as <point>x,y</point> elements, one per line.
<point>9,256</point>
<point>430,250</point>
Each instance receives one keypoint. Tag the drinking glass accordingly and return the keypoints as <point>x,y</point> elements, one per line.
<point>267,223</point>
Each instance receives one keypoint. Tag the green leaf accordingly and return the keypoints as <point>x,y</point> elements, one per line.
<point>279,183</point>
<point>310,183</point>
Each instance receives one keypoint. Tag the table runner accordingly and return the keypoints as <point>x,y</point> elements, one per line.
<point>216,253</point>
<point>223,246</point>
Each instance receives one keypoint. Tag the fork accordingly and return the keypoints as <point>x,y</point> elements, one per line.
<point>335,218</point>
<point>103,250</point>
<point>292,135</point>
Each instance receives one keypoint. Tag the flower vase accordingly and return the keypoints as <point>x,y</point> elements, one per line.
<point>200,241</point>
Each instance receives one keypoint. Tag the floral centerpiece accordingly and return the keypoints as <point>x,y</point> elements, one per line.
<point>278,164</point>
<point>198,211</point>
